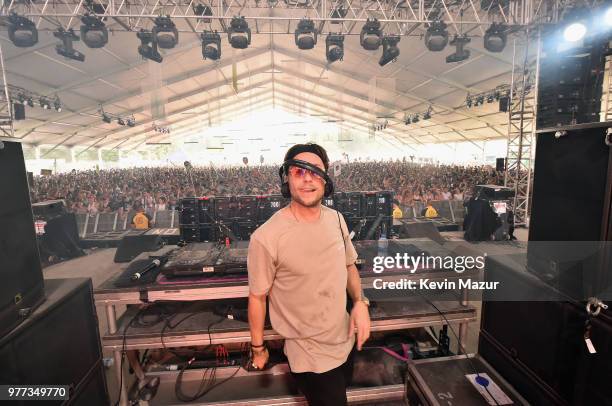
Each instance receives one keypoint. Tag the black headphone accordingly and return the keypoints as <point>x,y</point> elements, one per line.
<point>284,170</point>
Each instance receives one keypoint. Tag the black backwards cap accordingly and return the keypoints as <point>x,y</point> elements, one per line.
<point>309,147</point>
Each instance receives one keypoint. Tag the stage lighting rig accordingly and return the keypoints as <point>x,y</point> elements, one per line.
<point>93,31</point>
<point>436,37</point>
<point>305,34</point>
<point>148,51</point>
<point>66,48</point>
<point>460,54</point>
<point>23,96</point>
<point>121,120</point>
<point>211,45</point>
<point>165,33</point>
<point>239,33</point>
<point>390,49</point>
<point>22,32</point>
<point>334,47</point>
<point>371,35</point>
<point>495,38</point>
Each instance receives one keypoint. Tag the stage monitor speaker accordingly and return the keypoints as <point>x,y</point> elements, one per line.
<point>61,237</point>
<point>49,209</point>
<point>133,245</point>
<point>500,164</point>
<point>421,230</point>
<point>19,111</point>
<point>21,289</point>
<point>58,345</point>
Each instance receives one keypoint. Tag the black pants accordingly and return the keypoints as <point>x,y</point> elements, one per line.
<point>327,388</point>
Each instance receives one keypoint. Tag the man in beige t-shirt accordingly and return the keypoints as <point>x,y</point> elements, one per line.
<point>302,258</point>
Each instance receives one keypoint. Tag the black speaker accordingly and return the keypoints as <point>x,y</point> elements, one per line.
<point>538,346</point>
<point>21,289</point>
<point>133,245</point>
<point>58,345</point>
<point>19,111</point>
<point>572,202</point>
<point>49,209</point>
<point>500,164</point>
<point>504,104</point>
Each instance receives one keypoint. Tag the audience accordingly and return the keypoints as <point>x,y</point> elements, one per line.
<point>162,188</point>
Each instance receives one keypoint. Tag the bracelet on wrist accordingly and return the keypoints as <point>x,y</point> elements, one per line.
<point>258,346</point>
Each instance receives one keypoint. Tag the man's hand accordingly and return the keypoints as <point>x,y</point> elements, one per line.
<point>260,357</point>
<point>360,319</point>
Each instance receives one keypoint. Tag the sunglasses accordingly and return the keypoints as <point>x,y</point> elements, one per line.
<point>301,173</point>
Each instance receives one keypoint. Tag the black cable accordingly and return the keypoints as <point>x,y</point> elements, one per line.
<point>461,348</point>
<point>123,350</point>
<point>206,384</point>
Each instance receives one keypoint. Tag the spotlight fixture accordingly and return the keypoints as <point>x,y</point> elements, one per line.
<point>479,101</point>
<point>460,53</point>
<point>30,102</point>
<point>211,45</point>
<point>574,32</point>
<point>338,14</point>
<point>120,121</point>
<point>575,20</point>
<point>608,17</point>
<point>106,118</point>
<point>204,11</point>
<point>468,101</point>
<point>148,51</point>
<point>239,33</point>
<point>305,34</point>
<point>415,118</point>
<point>66,49</point>
<point>427,114</point>
<point>436,37</point>
<point>21,98</point>
<point>57,105</point>
<point>93,32</point>
<point>165,33</point>
<point>495,38</point>
<point>131,122</point>
<point>334,47</point>
<point>44,103</point>
<point>22,32</point>
<point>371,35</point>
<point>390,49</point>
<point>490,98</point>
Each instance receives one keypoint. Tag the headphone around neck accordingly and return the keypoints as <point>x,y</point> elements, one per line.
<point>284,171</point>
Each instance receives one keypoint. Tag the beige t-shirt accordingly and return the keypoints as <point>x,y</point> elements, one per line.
<point>302,267</point>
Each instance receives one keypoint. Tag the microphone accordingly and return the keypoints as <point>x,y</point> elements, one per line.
<point>154,264</point>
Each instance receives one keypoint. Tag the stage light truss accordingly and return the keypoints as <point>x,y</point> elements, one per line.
<point>397,17</point>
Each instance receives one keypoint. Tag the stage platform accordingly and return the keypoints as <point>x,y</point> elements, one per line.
<point>99,266</point>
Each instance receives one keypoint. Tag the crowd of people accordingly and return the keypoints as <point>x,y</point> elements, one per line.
<point>156,189</point>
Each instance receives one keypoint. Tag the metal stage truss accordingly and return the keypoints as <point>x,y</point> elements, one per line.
<point>403,17</point>
<point>522,122</point>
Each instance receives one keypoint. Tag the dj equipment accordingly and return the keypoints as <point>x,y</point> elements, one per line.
<point>207,258</point>
<point>58,345</point>
<point>133,245</point>
<point>21,289</point>
<point>283,172</point>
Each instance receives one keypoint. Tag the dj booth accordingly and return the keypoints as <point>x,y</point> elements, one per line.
<point>196,298</point>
